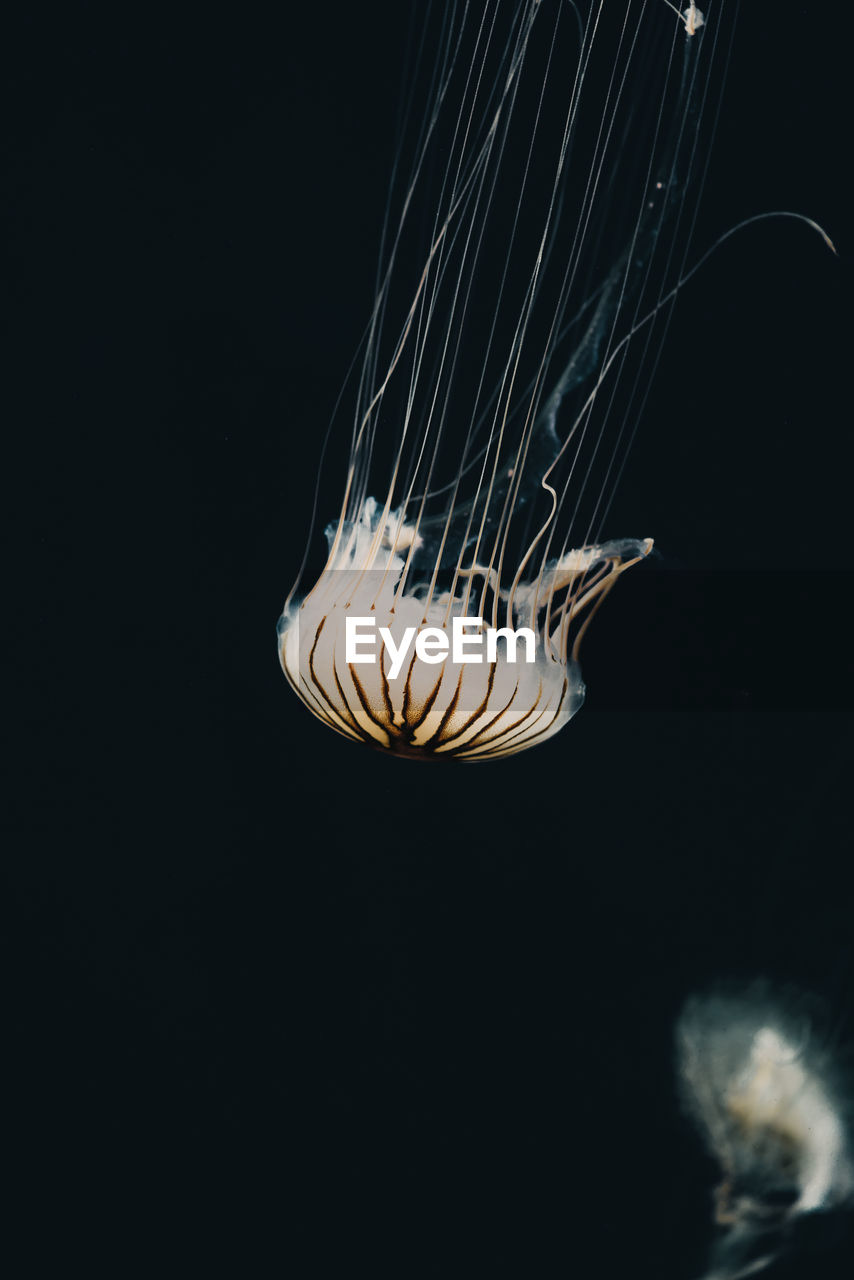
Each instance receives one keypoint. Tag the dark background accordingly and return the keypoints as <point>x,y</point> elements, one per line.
<point>273,1000</point>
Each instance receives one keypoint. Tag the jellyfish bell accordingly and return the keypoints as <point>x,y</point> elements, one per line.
<point>538,227</point>
<point>418,674</point>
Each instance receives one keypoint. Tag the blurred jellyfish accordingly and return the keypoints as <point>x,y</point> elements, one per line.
<point>531,253</point>
<point>773,1112</point>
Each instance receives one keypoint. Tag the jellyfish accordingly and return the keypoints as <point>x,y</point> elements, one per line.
<point>773,1110</point>
<point>538,228</point>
